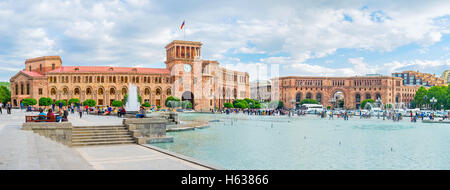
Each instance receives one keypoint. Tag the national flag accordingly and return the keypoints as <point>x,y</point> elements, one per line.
<point>182,25</point>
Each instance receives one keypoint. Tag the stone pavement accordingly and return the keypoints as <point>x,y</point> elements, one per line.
<point>132,157</point>
<point>29,151</point>
<point>25,150</point>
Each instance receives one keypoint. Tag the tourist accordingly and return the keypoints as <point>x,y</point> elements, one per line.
<point>86,107</point>
<point>122,112</point>
<point>42,115</point>
<point>53,106</point>
<point>8,107</point>
<point>65,115</point>
<point>21,105</point>
<point>80,111</point>
<point>1,106</point>
<point>141,113</point>
<point>59,115</point>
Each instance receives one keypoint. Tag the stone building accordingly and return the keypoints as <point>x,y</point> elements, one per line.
<point>329,91</point>
<point>260,90</point>
<point>416,78</point>
<point>446,77</point>
<point>187,76</point>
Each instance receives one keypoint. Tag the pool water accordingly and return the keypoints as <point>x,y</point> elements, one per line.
<point>308,142</point>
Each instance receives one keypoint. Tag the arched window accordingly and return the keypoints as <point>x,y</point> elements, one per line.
<point>100,91</point>
<point>319,97</point>
<point>169,92</point>
<point>358,98</point>
<point>112,91</point>
<point>158,91</point>
<point>77,91</point>
<point>377,96</point>
<point>298,97</point>
<point>147,91</point>
<point>368,96</point>
<point>308,95</point>
<point>88,91</point>
<point>124,91</point>
<point>65,91</point>
<point>21,89</point>
<point>53,91</point>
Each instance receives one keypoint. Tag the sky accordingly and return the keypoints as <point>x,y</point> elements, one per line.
<point>264,38</point>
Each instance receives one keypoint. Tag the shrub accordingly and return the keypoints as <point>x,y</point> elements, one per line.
<point>172,101</point>
<point>62,101</point>
<point>74,101</point>
<point>228,105</point>
<point>186,104</point>
<point>308,101</point>
<point>45,101</point>
<point>146,104</point>
<point>29,102</point>
<point>117,103</point>
<point>90,103</point>
<point>364,102</point>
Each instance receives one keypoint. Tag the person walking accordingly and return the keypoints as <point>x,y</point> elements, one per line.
<point>21,105</point>
<point>8,107</point>
<point>80,111</point>
<point>1,106</point>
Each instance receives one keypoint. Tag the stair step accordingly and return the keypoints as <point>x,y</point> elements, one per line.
<point>102,143</point>
<point>98,126</point>
<point>100,133</point>
<point>101,137</point>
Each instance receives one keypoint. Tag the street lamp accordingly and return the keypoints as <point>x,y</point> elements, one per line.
<point>433,101</point>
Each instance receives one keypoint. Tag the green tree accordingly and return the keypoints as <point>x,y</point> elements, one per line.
<point>440,94</point>
<point>308,101</point>
<point>228,105</point>
<point>74,101</point>
<point>5,94</point>
<point>90,103</point>
<point>62,101</point>
<point>170,101</point>
<point>146,104</point>
<point>29,102</point>
<point>117,103</point>
<point>419,97</point>
<point>186,104</point>
<point>388,106</point>
<point>239,103</point>
<point>45,101</point>
<point>328,107</point>
<point>364,102</point>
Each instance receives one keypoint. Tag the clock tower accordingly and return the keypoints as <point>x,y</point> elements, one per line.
<point>183,59</point>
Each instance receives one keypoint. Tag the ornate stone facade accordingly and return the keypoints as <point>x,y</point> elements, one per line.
<point>446,76</point>
<point>187,76</point>
<point>329,91</point>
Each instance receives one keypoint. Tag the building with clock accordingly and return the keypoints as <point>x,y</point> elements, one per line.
<point>187,76</point>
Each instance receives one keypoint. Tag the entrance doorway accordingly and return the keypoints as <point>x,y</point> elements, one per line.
<point>189,96</point>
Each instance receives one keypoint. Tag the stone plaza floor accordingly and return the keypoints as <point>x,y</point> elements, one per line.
<point>25,150</point>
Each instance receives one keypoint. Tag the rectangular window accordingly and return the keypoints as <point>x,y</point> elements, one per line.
<point>40,91</point>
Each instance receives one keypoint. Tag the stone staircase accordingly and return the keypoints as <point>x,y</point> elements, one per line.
<point>101,135</point>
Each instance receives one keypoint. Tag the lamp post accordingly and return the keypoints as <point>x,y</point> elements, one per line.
<point>433,101</point>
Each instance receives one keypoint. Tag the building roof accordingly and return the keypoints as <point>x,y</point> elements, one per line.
<point>43,58</point>
<point>106,69</point>
<point>31,73</point>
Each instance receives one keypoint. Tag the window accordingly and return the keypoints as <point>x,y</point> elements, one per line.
<point>53,66</point>
<point>40,67</point>
<point>40,91</point>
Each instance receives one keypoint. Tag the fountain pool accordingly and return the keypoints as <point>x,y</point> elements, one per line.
<point>278,142</point>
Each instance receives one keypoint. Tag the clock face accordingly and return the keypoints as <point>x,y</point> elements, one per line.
<point>187,68</point>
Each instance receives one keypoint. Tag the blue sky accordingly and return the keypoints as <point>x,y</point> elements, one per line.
<point>314,38</point>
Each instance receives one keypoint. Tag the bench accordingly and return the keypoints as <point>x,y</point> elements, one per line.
<point>37,118</point>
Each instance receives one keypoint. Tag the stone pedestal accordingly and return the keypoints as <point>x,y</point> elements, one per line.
<point>59,132</point>
<point>148,130</point>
